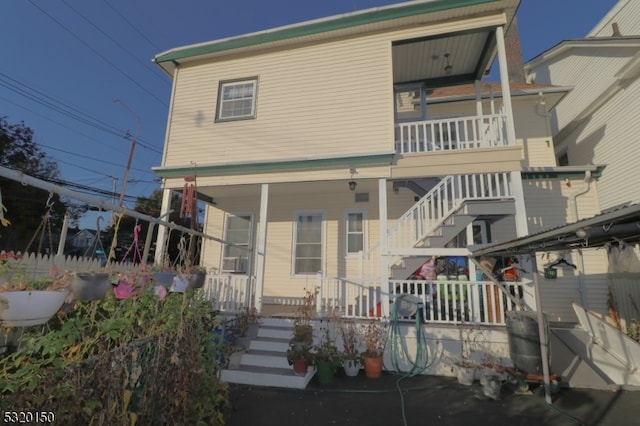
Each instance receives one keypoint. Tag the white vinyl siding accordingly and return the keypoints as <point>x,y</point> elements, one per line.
<point>308,243</point>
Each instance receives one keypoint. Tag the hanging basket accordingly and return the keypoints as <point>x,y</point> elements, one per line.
<point>27,308</point>
<point>90,285</point>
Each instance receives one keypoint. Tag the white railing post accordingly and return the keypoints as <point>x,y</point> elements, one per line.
<point>319,289</point>
<point>384,252</point>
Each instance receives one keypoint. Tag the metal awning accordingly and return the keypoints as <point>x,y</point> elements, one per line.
<point>622,224</point>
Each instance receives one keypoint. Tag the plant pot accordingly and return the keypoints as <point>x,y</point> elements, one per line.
<point>326,371</point>
<point>123,290</point>
<point>196,280</point>
<point>179,284</point>
<point>26,308</point>
<point>372,366</point>
<point>90,285</point>
<point>465,374</point>
<point>491,383</point>
<point>351,367</point>
<point>164,278</point>
<point>300,367</point>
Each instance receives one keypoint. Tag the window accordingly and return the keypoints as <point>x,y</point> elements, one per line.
<point>355,231</point>
<point>237,99</point>
<point>237,231</point>
<point>308,244</point>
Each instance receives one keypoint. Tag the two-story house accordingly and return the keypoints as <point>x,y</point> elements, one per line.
<point>342,154</point>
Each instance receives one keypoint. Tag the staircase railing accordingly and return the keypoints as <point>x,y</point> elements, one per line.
<point>435,208</point>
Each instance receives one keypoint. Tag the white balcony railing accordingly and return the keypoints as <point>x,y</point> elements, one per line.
<point>460,133</point>
<point>445,302</point>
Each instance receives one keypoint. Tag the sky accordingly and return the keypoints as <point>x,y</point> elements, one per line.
<point>79,73</point>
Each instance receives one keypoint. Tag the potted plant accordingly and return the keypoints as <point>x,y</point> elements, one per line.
<point>195,276</point>
<point>327,359</point>
<point>375,339</point>
<point>299,353</point>
<point>245,326</point>
<point>351,348</point>
<point>465,366</point>
<point>32,302</point>
<point>90,285</point>
<point>300,357</point>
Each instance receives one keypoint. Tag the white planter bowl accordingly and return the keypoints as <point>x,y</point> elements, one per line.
<point>26,308</point>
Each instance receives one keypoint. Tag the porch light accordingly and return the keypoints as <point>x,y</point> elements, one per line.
<point>448,68</point>
<point>352,185</point>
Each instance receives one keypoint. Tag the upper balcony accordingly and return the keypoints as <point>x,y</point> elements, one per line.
<point>451,134</point>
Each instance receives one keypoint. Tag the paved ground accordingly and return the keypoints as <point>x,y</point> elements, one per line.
<point>425,400</point>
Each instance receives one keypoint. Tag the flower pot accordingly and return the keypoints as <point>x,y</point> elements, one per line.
<point>179,284</point>
<point>196,280</point>
<point>491,384</point>
<point>90,285</point>
<point>351,367</point>
<point>372,366</point>
<point>326,371</point>
<point>164,278</point>
<point>465,374</point>
<point>26,308</point>
<point>300,367</point>
<point>123,290</point>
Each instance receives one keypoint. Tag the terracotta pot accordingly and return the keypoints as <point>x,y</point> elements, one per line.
<point>300,367</point>
<point>372,366</point>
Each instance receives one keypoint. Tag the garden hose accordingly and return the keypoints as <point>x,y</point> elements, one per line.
<point>418,363</point>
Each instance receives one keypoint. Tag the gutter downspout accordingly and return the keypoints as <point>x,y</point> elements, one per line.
<point>574,207</point>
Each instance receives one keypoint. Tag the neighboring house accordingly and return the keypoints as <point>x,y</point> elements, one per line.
<point>597,122</point>
<point>83,240</point>
<point>342,153</point>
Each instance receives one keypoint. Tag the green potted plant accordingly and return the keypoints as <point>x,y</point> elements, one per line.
<point>351,348</point>
<point>302,327</point>
<point>375,340</point>
<point>327,359</point>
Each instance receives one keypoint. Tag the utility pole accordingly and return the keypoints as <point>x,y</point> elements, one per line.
<point>133,146</point>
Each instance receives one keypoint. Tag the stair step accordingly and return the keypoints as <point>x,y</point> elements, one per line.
<point>260,358</point>
<point>269,344</point>
<point>267,376</point>
<point>275,332</point>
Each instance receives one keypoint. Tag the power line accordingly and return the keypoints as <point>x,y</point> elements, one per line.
<point>124,18</point>
<point>99,55</point>
<point>123,48</point>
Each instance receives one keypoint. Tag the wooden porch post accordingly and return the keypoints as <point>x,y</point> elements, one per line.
<point>261,246</point>
<point>384,249</point>
<point>161,239</point>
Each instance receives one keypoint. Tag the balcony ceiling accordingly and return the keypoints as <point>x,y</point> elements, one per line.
<point>469,55</point>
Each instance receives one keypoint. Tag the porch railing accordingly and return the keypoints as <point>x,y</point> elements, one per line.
<point>452,134</point>
<point>444,302</point>
<point>230,293</point>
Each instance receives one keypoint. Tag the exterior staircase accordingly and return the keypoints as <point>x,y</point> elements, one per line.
<point>265,362</point>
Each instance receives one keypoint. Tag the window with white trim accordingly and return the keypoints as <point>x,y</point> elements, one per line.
<point>237,99</point>
<point>355,221</point>
<point>237,230</point>
<point>308,243</point>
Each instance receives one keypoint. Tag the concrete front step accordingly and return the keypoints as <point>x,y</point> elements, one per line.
<point>265,362</point>
<point>267,376</point>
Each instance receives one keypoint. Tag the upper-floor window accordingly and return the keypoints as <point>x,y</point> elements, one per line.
<point>237,99</point>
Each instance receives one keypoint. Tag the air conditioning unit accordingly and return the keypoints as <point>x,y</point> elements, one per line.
<point>234,264</point>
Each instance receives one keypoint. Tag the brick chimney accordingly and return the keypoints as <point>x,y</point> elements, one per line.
<point>515,64</point>
<point>616,30</point>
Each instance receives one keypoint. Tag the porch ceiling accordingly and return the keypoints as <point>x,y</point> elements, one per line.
<point>456,58</point>
<point>221,193</point>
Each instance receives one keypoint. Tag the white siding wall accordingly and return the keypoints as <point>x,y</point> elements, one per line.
<point>626,13</point>
<point>544,214</point>
<point>610,138</point>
